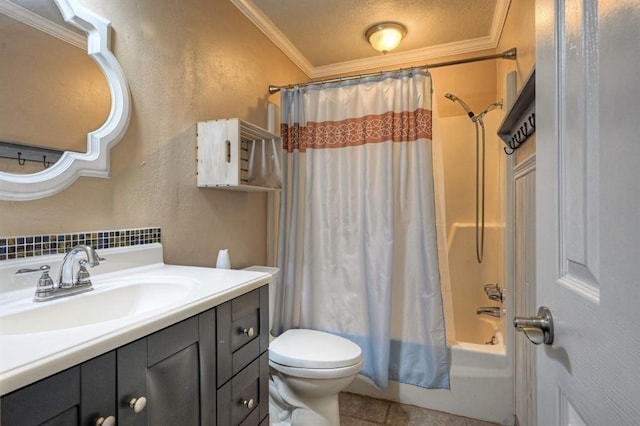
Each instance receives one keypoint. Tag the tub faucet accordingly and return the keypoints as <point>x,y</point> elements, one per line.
<point>494,311</point>
<point>494,292</point>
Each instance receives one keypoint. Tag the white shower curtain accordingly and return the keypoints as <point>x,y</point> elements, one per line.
<point>357,234</point>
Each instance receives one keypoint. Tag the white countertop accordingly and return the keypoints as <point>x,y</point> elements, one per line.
<point>25,358</point>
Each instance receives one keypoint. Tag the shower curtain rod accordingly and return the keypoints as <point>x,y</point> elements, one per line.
<point>507,54</point>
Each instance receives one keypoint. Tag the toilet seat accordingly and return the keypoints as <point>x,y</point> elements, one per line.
<point>312,349</point>
<point>318,373</point>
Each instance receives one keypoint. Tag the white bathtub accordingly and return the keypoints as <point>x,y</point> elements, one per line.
<point>481,374</point>
<point>481,385</point>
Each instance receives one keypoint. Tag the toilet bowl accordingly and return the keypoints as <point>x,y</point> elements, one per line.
<point>309,368</point>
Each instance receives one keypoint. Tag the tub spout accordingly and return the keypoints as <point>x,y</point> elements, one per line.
<point>494,311</point>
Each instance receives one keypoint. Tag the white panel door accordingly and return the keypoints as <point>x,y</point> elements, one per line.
<point>588,210</point>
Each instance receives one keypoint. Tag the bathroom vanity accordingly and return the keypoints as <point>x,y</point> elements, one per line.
<point>199,359</point>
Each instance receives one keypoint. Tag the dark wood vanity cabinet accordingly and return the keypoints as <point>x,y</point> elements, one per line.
<point>209,369</point>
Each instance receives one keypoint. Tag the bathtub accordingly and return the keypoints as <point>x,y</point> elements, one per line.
<point>481,374</point>
<point>481,385</point>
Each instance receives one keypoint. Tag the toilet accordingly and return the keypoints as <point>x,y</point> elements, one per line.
<point>309,368</point>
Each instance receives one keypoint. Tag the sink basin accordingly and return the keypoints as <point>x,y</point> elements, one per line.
<point>100,305</point>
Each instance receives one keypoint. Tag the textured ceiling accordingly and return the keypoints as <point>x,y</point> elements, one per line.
<point>331,31</point>
<point>323,36</point>
<point>326,37</point>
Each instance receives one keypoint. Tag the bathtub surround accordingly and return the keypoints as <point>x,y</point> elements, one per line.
<point>41,245</point>
<point>357,243</point>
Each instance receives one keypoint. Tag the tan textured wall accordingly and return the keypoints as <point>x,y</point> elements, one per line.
<point>518,31</point>
<point>185,61</point>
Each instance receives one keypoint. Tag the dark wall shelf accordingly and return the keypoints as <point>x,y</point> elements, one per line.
<point>520,121</point>
<point>23,152</point>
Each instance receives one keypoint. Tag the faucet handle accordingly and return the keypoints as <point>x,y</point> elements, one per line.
<point>82,277</point>
<point>45,282</point>
<point>494,292</point>
<point>27,271</point>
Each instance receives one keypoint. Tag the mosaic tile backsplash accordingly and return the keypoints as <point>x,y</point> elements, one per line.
<point>40,245</point>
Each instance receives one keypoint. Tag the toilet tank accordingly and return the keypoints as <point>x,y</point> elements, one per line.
<point>272,288</point>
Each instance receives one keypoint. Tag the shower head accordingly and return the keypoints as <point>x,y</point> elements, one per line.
<point>454,98</point>
<point>484,112</point>
<point>491,107</point>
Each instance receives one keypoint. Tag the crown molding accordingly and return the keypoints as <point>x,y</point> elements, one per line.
<point>499,18</point>
<point>36,21</point>
<point>416,56</point>
<point>264,24</point>
<point>255,15</point>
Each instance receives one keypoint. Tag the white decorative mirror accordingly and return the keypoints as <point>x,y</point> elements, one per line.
<point>57,174</point>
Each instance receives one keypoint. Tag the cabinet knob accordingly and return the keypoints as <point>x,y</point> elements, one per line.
<point>249,404</point>
<point>249,331</point>
<point>106,421</point>
<point>138,404</point>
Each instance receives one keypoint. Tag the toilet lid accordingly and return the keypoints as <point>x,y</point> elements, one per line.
<point>313,349</point>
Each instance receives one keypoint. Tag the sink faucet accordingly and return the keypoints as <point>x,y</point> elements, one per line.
<point>67,284</point>
<point>494,311</point>
<point>67,279</point>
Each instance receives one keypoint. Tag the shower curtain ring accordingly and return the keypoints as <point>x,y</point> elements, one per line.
<point>21,160</point>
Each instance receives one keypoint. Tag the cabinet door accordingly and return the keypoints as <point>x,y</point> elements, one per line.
<point>131,382</point>
<point>98,389</point>
<point>164,368</point>
<point>173,375</point>
<point>53,401</point>
<point>77,396</point>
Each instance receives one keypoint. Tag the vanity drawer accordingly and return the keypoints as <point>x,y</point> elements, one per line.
<point>242,332</point>
<point>244,400</point>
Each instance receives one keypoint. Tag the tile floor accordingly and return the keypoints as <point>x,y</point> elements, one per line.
<point>357,410</point>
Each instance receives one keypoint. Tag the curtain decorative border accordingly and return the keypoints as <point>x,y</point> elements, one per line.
<point>406,126</point>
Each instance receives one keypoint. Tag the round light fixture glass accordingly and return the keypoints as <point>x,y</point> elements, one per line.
<point>385,36</point>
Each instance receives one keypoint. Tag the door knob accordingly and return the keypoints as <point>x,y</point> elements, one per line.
<point>538,329</point>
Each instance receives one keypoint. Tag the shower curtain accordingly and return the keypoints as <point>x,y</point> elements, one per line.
<point>357,245</point>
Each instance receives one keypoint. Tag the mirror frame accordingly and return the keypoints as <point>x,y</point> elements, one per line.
<point>95,162</point>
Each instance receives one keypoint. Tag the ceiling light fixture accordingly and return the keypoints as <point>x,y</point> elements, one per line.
<point>385,36</point>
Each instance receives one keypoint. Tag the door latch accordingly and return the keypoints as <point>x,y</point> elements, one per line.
<point>538,329</point>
